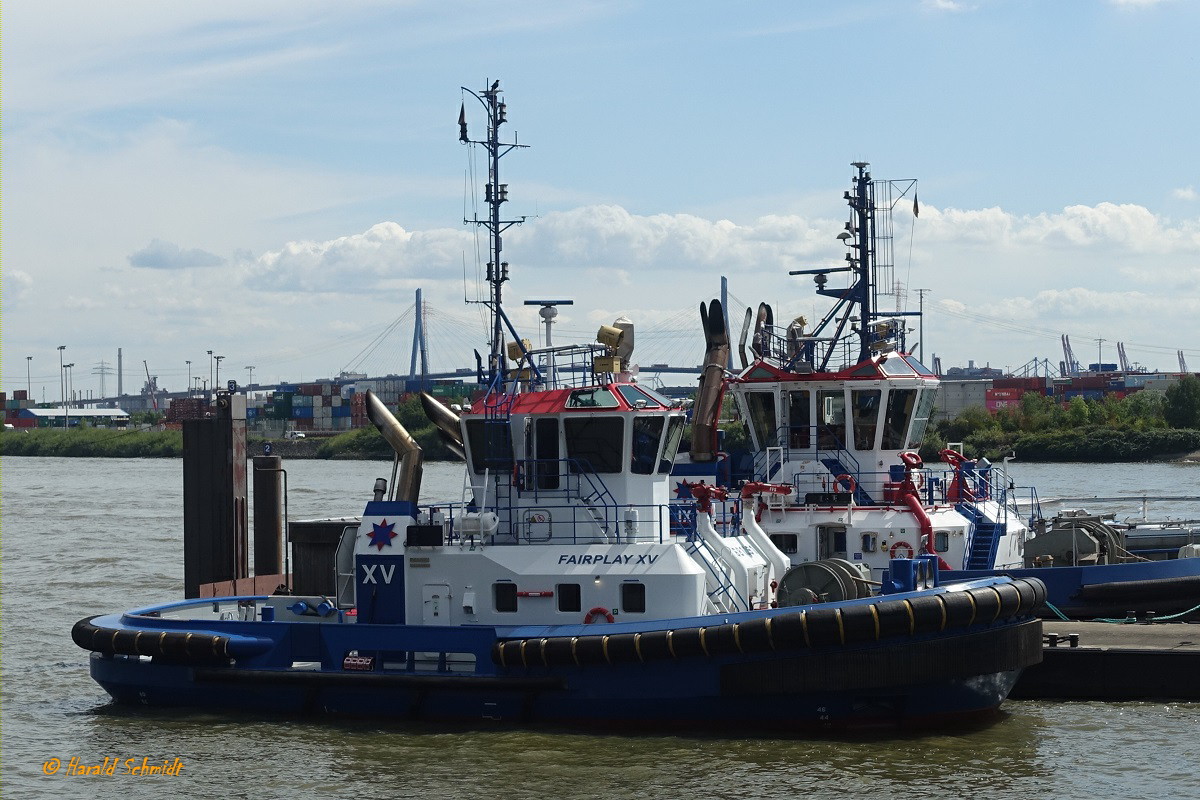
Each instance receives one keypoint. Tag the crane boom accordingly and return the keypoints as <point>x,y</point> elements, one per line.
<point>150,387</point>
<point>1072,364</point>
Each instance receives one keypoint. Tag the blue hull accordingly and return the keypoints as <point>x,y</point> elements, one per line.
<point>591,701</point>
<point>1112,590</point>
<point>903,660</point>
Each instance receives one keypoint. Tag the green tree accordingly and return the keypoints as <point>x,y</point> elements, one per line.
<point>1181,406</point>
<point>1037,412</point>
<point>1078,413</point>
<point>1144,410</point>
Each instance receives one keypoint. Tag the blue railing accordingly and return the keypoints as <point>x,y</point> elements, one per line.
<point>806,443</point>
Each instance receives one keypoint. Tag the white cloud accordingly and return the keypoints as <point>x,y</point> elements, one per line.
<point>945,5</point>
<point>381,256</point>
<point>609,236</point>
<point>168,255</point>
<point>17,284</point>
<point>1185,193</point>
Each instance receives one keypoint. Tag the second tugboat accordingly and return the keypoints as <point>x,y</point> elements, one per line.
<point>836,415</point>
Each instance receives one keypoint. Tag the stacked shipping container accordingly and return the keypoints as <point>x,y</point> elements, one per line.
<point>12,409</point>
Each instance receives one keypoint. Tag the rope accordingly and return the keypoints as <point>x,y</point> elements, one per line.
<point>1057,613</point>
<point>1155,620</point>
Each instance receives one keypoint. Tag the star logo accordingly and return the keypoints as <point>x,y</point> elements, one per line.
<point>382,534</point>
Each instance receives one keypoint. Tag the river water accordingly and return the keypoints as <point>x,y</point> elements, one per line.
<point>85,536</point>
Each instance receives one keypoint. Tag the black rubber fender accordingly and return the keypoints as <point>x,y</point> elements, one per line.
<point>755,635</point>
<point>720,640</point>
<point>987,604</point>
<point>861,623</point>
<point>929,614</point>
<point>180,646</point>
<point>895,619</point>
<point>1039,590</point>
<point>557,651</point>
<point>961,611</point>
<point>590,650</point>
<point>622,648</point>
<point>685,643</point>
<point>825,627</point>
<point>1010,599</point>
<point>507,654</point>
<point>653,646</point>
<point>790,631</point>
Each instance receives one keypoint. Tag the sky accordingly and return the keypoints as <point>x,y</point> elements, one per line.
<point>272,181</point>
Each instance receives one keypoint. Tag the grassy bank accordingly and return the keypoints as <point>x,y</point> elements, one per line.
<point>1091,444</point>
<point>364,443</point>
<point>92,443</point>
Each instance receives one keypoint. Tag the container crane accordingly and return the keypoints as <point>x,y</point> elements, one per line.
<point>1182,364</point>
<point>1121,357</point>
<point>1071,365</point>
<point>150,387</point>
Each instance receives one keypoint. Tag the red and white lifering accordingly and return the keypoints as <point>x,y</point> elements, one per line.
<point>901,545</point>
<point>596,612</point>
<point>848,480</point>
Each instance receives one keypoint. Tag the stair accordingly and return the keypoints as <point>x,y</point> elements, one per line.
<point>722,595</point>
<point>985,537</point>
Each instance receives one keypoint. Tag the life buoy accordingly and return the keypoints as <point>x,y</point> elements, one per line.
<point>848,480</point>
<point>912,460</point>
<point>598,611</point>
<point>901,544</point>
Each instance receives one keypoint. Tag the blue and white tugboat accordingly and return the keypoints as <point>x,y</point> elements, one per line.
<point>571,588</point>
<point>836,414</point>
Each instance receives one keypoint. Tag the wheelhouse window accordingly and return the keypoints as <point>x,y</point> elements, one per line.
<point>900,406</point>
<point>921,418</point>
<point>866,417</point>
<point>633,598</point>
<point>569,597</point>
<point>638,397</point>
<point>490,445</point>
<point>595,443</point>
<point>799,421</point>
<point>920,368</point>
<point>647,435</point>
<point>896,365</point>
<point>761,408</point>
<point>831,420</point>
<point>598,397</point>
<point>675,428</point>
<point>505,597</point>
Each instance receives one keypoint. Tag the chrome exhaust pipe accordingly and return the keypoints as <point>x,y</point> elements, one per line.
<point>408,453</point>
<point>446,422</point>
<point>706,411</point>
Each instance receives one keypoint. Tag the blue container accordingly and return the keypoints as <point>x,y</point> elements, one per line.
<point>302,412</point>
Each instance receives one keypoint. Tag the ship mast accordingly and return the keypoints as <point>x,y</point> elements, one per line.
<point>495,195</point>
<point>863,238</point>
